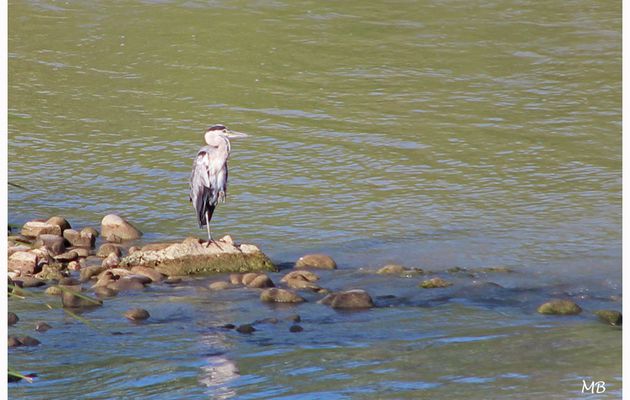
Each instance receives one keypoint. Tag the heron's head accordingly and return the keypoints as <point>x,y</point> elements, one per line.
<point>222,130</point>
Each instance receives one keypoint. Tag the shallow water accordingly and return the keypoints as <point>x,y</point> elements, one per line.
<point>435,135</point>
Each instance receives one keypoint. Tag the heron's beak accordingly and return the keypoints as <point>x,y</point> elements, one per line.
<point>236,135</point>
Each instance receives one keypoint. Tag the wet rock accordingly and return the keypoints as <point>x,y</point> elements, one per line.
<point>111,261</point>
<point>391,269</point>
<point>349,299</point>
<point>103,292</point>
<point>296,328</point>
<point>126,284</point>
<point>107,248</point>
<point>51,272</point>
<point>42,327</point>
<point>114,226</point>
<point>271,320</point>
<point>498,269</point>
<point>228,326</point>
<point>88,230</point>
<point>14,249</point>
<point>261,281</point>
<point>307,276</point>
<point>305,285</point>
<point>13,318</point>
<point>70,299</point>
<point>172,281</point>
<point>560,307</point>
<point>28,341</point>
<point>88,272</point>
<point>74,266</point>
<point>53,291</point>
<point>13,341</point>
<point>219,285</point>
<point>67,256</point>
<point>193,256</point>
<point>274,295</point>
<point>245,328</point>
<point>434,283</point>
<point>610,317</point>
<point>321,261</point>
<point>294,318</point>
<point>137,314</point>
<point>61,222</point>
<point>24,262</point>
<point>236,279</point>
<point>149,273</point>
<point>69,281</point>
<point>82,252</point>
<point>83,239</point>
<point>36,228</point>
<point>105,278</point>
<point>248,278</point>
<point>30,282</point>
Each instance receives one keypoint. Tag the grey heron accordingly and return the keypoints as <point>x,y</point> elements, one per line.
<point>208,180</point>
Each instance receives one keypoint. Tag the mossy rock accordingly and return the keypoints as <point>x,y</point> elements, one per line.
<point>560,307</point>
<point>435,283</point>
<point>609,317</point>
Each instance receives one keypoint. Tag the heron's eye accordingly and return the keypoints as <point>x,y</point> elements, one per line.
<point>225,131</point>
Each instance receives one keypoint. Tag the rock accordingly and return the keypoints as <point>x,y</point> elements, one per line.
<point>42,327</point>
<point>86,273</point>
<point>69,281</point>
<point>274,295</point>
<point>248,278</point>
<point>261,281</point>
<point>111,261</point>
<point>295,328</point>
<point>126,284</point>
<point>245,328</point>
<point>194,257</point>
<point>434,283</point>
<point>53,291</point>
<point>236,279</point>
<point>133,249</point>
<point>88,230</point>
<point>391,269</point>
<point>82,252</point>
<point>74,266</point>
<point>149,273</point>
<point>156,246</point>
<point>227,239</point>
<point>172,281</point>
<point>304,285</point>
<point>294,318</point>
<point>13,318</point>
<point>114,226</point>
<point>72,300</point>
<point>321,261</point>
<point>107,248</point>
<point>24,262</point>
<point>349,299</point>
<point>83,239</point>
<point>219,285</point>
<point>43,257</point>
<point>560,307</point>
<point>67,256</point>
<point>13,341</point>
<point>228,326</point>
<point>30,282</point>
<point>103,292</point>
<point>137,314</point>
<point>609,317</point>
<point>28,341</point>
<point>61,222</point>
<point>51,272</point>
<point>36,228</point>
<point>14,249</point>
<point>307,276</point>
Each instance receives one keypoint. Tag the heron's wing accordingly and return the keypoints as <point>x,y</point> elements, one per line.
<point>201,190</point>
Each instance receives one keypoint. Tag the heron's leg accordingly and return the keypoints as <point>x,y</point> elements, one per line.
<point>208,227</point>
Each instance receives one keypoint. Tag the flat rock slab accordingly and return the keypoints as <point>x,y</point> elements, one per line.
<point>193,256</point>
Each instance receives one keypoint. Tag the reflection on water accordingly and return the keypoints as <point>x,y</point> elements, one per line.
<point>435,135</point>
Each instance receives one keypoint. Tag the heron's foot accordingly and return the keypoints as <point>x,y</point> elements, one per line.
<point>212,242</point>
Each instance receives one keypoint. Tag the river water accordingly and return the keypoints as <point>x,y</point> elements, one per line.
<point>433,134</point>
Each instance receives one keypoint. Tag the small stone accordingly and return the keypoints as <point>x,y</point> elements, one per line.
<point>13,341</point>
<point>391,269</point>
<point>83,239</point>
<point>14,249</point>
<point>24,262</point>
<point>86,273</point>
<point>609,317</point>
<point>261,281</point>
<point>88,230</point>
<point>61,222</point>
<point>303,285</point>
<point>434,283</point>
<point>70,300</point>
<point>67,256</point>
<point>245,328</point>
<point>42,327</point>
<point>53,291</point>
<point>69,281</point>
<point>280,296</point>
<point>219,285</point>
<point>103,292</point>
<point>294,318</point>
<point>149,273</point>
<point>51,272</point>
<point>82,252</point>
<point>228,326</point>
<point>560,307</point>
<point>249,277</point>
<point>13,318</point>
<point>304,275</point>
<point>30,282</point>
<point>111,261</point>
<point>74,266</point>
<point>28,341</point>
<point>321,261</point>
<point>137,314</point>
<point>36,228</point>
<point>133,249</point>
<point>236,279</point>
<point>114,226</point>
<point>295,328</point>
<point>107,248</point>
<point>172,281</point>
<point>349,299</point>
<point>227,239</point>
<point>125,284</point>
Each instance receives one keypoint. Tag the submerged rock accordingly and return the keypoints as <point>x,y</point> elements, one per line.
<point>42,327</point>
<point>261,281</point>
<point>321,261</point>
<point>13,318</point>
<point>560,307</point>
<point>103,292</point>
<point>609,317</point>
<point>248,278</point>
<point>53,291</point>
<point>113,226</point>
<point>74,300</point>
<point>274,295</point>
<point>88,272</point>
<point>36,228</point>
<point>434,283</point>
<point>137,314</point>
<point>245,328</point>
<point>193,256</point>
<point>150,273</point>
<point>307,276</point>
<point>295,328</point>
<point>356,298</point>
<point>30,282</point>
<point>219,285</point>
<point>28,341</point>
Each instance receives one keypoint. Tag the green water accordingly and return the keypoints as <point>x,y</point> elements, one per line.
<point>433,134</point>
